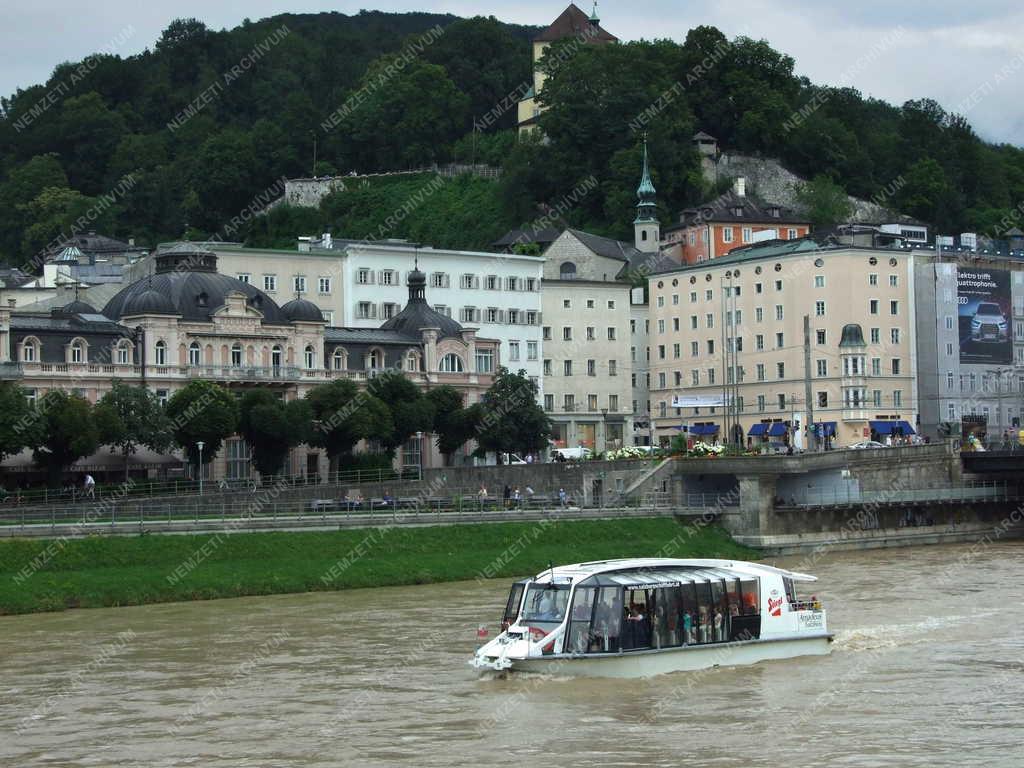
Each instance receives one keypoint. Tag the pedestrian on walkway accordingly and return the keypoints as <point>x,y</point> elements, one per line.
<point>89,487</point>
<point>561,496</point>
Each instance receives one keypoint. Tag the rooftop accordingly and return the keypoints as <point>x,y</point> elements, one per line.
<point>573,22</point>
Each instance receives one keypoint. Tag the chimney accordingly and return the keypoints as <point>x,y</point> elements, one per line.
<point>327,242</point>
<point>740,186</point>
<point>131,241</point>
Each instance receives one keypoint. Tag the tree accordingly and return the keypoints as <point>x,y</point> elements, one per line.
<point>67,432</point>
<point>343,415</point>
<point>411,412</point>
<point>17,428</point>
<point>454,424</point>
<point>202,411</point>
<point>825,201</point>
<point>510,419</point>
<point>926,191</point>
<point>272,428</point>
<point>130,416</point>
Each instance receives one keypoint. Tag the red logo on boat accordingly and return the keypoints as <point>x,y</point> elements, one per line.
<point>775,606</point>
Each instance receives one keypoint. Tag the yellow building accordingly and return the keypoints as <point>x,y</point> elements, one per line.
<point>572,23</point>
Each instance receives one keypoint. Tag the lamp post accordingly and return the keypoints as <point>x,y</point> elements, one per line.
<point>200,445</point>
<point>419,448</point>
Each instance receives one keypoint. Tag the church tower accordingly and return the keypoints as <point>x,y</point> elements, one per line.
<point>646,227</point>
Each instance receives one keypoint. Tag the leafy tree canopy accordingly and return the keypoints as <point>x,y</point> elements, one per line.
<point>202,411</point>
<point>343,415</point>
<point>67,431</point>
<point>510,418</point>
<point>272,427</point>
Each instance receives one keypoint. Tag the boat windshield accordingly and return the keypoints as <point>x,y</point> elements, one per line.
<point>546,603</point>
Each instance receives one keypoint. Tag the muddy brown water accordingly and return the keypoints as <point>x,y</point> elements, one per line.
<point>927,670</point>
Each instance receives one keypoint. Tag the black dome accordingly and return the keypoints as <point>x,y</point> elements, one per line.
<point>189,285</point>
<point>77,307</point>
<point>300,310</point>
<point>149,302</point>
<point>417,314</point>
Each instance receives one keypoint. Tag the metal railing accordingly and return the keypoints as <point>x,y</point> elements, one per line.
<point>994,491</point>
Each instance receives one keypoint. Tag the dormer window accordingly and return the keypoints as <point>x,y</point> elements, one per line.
<point>774,211</point>
<point>202,299</point>
<point>738,210</point>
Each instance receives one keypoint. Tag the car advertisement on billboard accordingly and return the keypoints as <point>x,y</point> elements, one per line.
<point>983,297</point>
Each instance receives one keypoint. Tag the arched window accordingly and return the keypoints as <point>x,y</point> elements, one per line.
<point>338,359</point>
<point>194,354</point>
<point>236,355</point>
<point>451,363</point>
<point>374,359</point>
<point>412,362</point>
<point>309,357</point>
<point>77,351</point>
<point>275,358</point>
<point>124,353</point>
<point>28,351</point>
<point>160,353</point>
<point>567,271</point>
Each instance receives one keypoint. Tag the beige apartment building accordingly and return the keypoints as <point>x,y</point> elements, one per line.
<point>728,359</point>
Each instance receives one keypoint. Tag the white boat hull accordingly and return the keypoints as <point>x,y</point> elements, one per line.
<point>683,659</point>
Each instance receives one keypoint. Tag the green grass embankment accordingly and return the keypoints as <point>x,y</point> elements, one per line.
<point>51,575</point>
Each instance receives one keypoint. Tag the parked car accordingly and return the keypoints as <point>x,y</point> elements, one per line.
<point>571,454</point>
<point>866,444</point>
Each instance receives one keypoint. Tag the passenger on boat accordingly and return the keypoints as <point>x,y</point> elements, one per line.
<point>703,625</point>
<point>637,634</point>
<point>688,638</point>
<point>719,625</point>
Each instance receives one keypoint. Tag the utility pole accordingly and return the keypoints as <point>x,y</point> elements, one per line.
<point>313,174</point>
<point>812,435</point>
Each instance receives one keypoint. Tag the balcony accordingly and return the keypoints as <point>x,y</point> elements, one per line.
<point>242,372</point>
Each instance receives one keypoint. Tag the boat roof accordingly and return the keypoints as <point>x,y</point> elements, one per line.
<point>662,571</point>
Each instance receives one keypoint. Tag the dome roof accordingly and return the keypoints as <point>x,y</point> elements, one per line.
<point>77,307</point>
<point>417,314</point>
<point>188,284</point>
<point>853,336</point>
<point>302,311</point>
<point>149,302</point>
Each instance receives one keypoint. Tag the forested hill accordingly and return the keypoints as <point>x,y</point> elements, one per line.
<point>207,120</point>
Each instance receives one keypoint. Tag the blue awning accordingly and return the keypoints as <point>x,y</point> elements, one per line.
<point>778,429</point>
<point>757,430</point>
<point>826,428</point>
<point>892,427</point>
<point>710,429</point>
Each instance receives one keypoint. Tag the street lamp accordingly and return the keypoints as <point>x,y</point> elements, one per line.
<point>419,448</point>
<point>200,445</point>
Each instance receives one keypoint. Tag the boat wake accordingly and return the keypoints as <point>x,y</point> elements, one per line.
<point>896,635</point>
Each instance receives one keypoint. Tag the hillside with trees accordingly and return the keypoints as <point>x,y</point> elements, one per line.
<point>189,177</point>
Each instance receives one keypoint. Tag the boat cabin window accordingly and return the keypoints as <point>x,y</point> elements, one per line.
<point>545,603</point>
<point>515,600</point>
<point>581,620</point>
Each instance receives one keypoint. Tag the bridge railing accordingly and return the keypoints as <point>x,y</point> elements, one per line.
<point>989,491</point>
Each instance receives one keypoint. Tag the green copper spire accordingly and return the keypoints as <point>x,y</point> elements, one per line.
<point>594,19</point>
<point>646,207</point>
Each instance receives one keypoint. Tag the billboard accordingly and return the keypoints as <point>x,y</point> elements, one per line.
<point>984,314</point>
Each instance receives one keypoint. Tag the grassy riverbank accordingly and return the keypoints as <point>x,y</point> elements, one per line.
<point>40,575</point>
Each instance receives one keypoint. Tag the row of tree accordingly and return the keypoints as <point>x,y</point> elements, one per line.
<point>62,428</point>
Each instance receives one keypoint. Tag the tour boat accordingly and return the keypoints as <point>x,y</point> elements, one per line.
<point>644,617</point>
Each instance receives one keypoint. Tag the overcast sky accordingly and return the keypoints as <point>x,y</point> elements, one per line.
<point>969,56</point>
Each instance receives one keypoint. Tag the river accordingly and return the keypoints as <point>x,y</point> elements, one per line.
<point>927,670</point>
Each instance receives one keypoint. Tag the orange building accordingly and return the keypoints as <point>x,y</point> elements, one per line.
<point>732,220</point>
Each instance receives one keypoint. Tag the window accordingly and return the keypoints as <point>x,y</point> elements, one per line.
<point>613,402</point>
<point>780,339</point>
<point>895,366</point>
<point>366,310</point>
<point>237,457</point>
<point>759,342</point>
<point>760,371</point>
<point>949,380</point>
<point>531,317</point>
<point>77,351</point>
<point>876,366</point>
<point>693,322</point>
<point>531,284</point>
<point>467,281</point>
<point>531,350</point>
<point>726,234</point>
<point>567,367</point>
<point>324,284</point>
<point>270,282</point>
<point>819,308</point>
<point>236,355</point>
<point>873,306</point>
<point>443,309</point>
<point>708,294</point>
<point>822,366</point>
<point>897,398</point>
<point>388,310</point>
<point>675,351</point>
<point>711,346</point>
<point>160,353</point>
<point>677,378</point>
<point>894,307</point>
<point>299,283</point>
<point>275,358</point>
<point>568,402</point>
<point>780,370</point>
<point>711,375</point>
<point>591,368</point>
<point>613,367</point>
<point>437,279</point>
<point>338,360</point>
<point>745,234</point>
<point>243,278</point>
<point>894,335</point>
<point>876,398</point>
<point>309,357</point>
<point>675,323</point>
<point>591,402</point>
<point>611,333</point>
<point>782,401</point>
<point>709,320</point>
<point>451,363</point>
<point>388,277</point>
<point>511,283</point>
<point>661,351</point>
<point>547,367</point>
<point>491,315</point>
<point>949,322</point>
<point>28,352</point>
<point>951,411</point>
<point>760,403</point>
<point>513,351</point>
<point>549,402</point>
<point>162,396</point>
<point>661,302</point>
<point>759,315</point>
<point>791,234</point>
<point>567,333</point>
<point>778,285</point>
<point>875,335</point>
<point>778,312</point>
<point>468,314</point>
<point>819,336</point>
<point>894,281</point>
<point>661,326</point>
<point>694,348</point>
<point>872,279</point>
<point>123,353</point>
<point>545,333</point>
<point>695,377</point>
<point>693,297</point>
<point>758,288</point>
<point>485,361</point>
<point>819,281</point>
<point>823,399</point>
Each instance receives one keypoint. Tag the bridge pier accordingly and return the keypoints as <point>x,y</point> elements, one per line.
<point>757,504</point>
